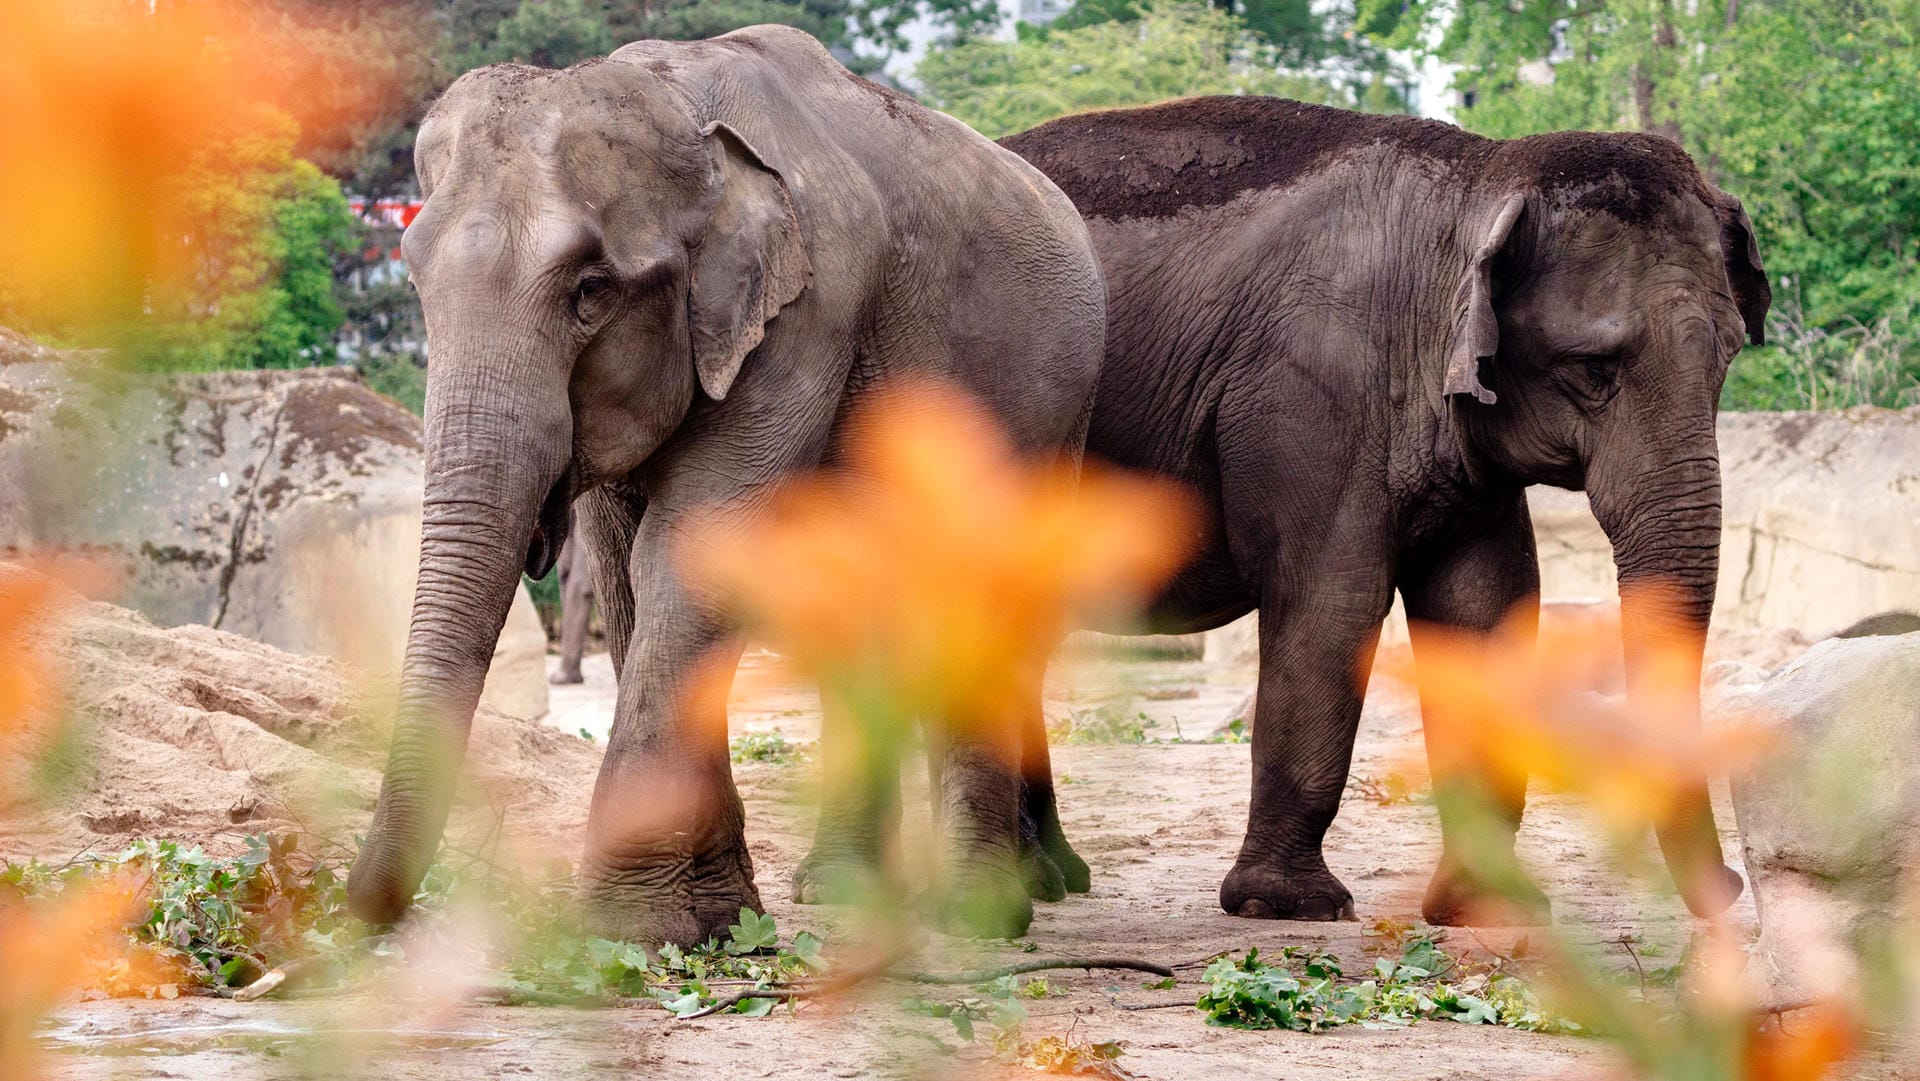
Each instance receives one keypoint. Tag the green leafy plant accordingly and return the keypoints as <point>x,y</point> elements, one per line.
<point>1309,992</point>
<point>770,747</point>
<point>224,922</point>
<point>1236,731</point>
<point>1109,723</point>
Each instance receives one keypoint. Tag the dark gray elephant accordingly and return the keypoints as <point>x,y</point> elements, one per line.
<point>659,282</point>
<point>1360,338</point>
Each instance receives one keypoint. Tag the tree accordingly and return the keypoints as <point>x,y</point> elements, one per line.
<point>1171,50</point>
<point>552,34</point>
<point>262,228</point>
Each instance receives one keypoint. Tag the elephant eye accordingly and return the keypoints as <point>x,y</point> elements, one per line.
<point>591,296</point>
<point>1600,373</point>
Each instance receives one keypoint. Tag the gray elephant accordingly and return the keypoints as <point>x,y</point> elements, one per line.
<point>1360,338</point>
<point>576,609</point>
<point>657,283</point>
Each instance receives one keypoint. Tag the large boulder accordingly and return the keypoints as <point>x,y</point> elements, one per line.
<point>280,505</point>
<point>1820,516</point>
<point>1830,823</point>
<point>203,737</point>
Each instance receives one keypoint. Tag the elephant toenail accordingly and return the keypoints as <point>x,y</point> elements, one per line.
<point>1254,908</point>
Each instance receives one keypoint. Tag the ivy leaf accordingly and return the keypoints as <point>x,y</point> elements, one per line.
<point>754,932</point>
<point>754,1007</point>
<point>680,1004</point>
<point>806,949</point>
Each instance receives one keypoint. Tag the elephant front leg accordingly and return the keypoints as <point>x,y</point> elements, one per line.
<point>1473,587</point>
<point>666,856</point>
<point>1306,714</point>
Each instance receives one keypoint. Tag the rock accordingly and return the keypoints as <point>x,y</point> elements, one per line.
<point>202,736</point>
<point>1820,515</point>
<point>281,505</point>
<point>1830,823</point>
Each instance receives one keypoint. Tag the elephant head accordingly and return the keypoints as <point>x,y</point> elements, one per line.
<point>1607,290</point>
<point>595,261</point>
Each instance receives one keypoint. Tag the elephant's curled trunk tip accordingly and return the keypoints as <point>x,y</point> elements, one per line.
<point>376,891</point>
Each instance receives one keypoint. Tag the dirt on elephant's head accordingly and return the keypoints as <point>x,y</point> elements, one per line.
<point>1156,161</point>
<point>1629,175</point>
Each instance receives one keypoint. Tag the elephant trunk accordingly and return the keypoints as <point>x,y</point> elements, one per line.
<point>493,506</point>
<point>1663,520</point>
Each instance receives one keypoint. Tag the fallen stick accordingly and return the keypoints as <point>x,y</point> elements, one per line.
<point>834,986</point>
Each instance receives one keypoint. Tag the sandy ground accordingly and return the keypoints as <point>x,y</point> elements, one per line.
<point>1159,822</point>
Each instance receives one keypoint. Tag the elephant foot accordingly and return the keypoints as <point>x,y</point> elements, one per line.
<point>1073,870</point>
<point>1045,879</point>
<point>1042,838</point>
<point>834,876</point>
<point>986,897</point>
<point>1455,899</point>
<point>1260,892</point>
<point>657,905</point>
<point>566,675</point>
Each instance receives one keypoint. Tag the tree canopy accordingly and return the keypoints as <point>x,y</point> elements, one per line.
<point>1141,55</point>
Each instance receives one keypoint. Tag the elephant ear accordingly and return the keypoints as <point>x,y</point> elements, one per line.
<point>751,262</point>
<point>1476,329</point>
<point>1746,275</point>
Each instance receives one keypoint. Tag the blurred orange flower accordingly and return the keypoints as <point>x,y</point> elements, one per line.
<point>1518,702</point>
<point>102,104</point>
<point>936,569</point>
<point>1804,1049</point>
<point>30,607</point>
<point>73,942</point>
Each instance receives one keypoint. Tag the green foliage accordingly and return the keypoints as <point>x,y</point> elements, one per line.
<point>402,377</point>
<point>263,230</point>
<point>544,592</point>
<point>1250,993</point>
<point>771,747</point>
<point>552,34</point>
<point>1172,50</point>
<point>1299,34</point>
<point>1803,111</point>
<point>557,33</point>
<point>223,921</point>
<point>998,1004</point>
<point>1236,731</point>
<point>227,921</point>
<point>1109,723</point>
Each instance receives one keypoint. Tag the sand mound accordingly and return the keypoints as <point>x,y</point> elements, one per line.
<point>198,735</point>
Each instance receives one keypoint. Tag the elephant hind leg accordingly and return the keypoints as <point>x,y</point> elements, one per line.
<point>1053,869</point>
